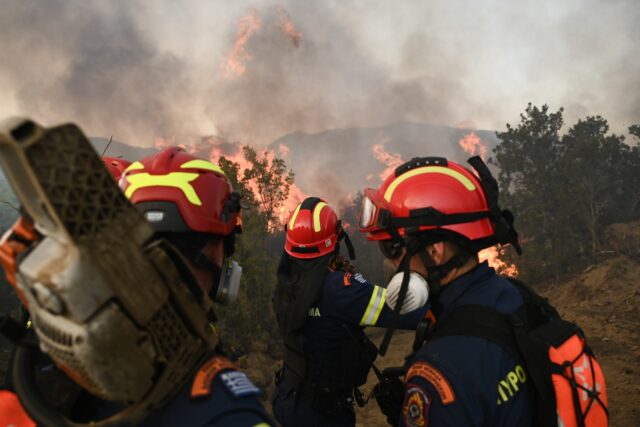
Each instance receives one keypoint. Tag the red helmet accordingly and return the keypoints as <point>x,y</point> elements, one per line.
<point>432,193</point>
<point>116,166</point>
<point>313,230</point>
<point>179,192</point>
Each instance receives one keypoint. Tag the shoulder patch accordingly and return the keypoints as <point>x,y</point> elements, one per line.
<point>239,384</point>
<point>415,409</point>
<point>435,377</point>
<point>359,278</point>
<point>347,279</point>
<point>207,374</point>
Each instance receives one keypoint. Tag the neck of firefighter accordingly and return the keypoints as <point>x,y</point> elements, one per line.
<point>440,253</point>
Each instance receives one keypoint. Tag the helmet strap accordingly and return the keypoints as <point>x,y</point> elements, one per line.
<point>203,261</point>
<point>347,242</point>
<point>435,273</point>
<point>404,286</point>
<point>505,231</point>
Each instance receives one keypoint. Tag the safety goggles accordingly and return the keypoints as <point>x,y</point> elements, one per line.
<point>374,214</point>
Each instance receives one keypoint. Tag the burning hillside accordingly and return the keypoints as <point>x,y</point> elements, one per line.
<point>336,165</point>
<point>472,145</point>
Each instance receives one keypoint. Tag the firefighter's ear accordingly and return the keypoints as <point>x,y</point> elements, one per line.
<point>436,251</point>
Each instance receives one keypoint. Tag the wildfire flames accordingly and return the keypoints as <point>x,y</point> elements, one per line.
<point>472,145</point>
<point>283,150</point>
<point>492,256</point>
<point>288,28</point>
<point>391,160</point>
<point>296,195</point>
<point>162,143</point>
<point>234,65</point>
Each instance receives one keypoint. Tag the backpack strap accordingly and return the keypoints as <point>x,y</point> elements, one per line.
<point>511,333</point>
<point>482,322</point>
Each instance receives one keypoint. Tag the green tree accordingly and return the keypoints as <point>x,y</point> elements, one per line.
<point>264,185</point>
<point>564,190</point>
<point>527,158</point>
<point>633,166</point>
<point>595,170</point>
<point>271,181</point>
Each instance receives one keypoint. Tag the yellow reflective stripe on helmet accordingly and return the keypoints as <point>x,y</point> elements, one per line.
<point>468,184</point>
<point>134,166</point>
<point>180,180</point>
<point>316,216</point>
<point>293,217</point>
<point>371,314</point>
<point>202,164</point>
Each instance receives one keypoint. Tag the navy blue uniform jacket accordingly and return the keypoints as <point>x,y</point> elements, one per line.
<point>468,381</point>
<point>232,402</point>
<point>351,299</point>
<point>346,299</point>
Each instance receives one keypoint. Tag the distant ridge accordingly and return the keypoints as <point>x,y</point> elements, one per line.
<point>338,162</point>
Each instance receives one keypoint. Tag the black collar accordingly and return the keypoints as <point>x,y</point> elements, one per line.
<point>454,290</point>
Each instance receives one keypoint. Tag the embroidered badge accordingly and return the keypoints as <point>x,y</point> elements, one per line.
<point>415,410</point>
<point>347,279</point>
<point>359,278</point>
<point>239,384</point>
<point>435,377</point>
<point>208,372</point>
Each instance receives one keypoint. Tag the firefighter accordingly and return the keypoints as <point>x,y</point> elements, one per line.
<point>194,217</point>
<point>116,166</point>
<point>433,216</point>
<point>322,306</point>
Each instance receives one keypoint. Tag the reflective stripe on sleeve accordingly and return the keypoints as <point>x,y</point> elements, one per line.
<point>374,308</point>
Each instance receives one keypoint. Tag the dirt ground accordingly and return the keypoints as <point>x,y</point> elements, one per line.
<point>605,301</point>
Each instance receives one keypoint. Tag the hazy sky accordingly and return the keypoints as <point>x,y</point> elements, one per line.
<point>140,69</point>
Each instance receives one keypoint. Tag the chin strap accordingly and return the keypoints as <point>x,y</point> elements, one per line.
<point>349,245</point>
<point>416,246</point>
<point>438,272</point>
<point>203,261</point>
<point>404,286</point>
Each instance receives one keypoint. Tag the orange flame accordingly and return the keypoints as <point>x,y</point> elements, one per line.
<point>161,143</point>
<point>234,65</point>
<point>283,150</point>
<point>472,145</point>
<point>296,195</point>
<point>391,160</point>
<point>288,28</point>
<point>492,256</point>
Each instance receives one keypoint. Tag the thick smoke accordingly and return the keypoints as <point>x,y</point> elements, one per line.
<point>89,62</point>
<point>138,70</point>
<point>329,80</point>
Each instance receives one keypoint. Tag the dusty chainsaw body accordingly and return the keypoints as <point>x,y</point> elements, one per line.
<point>116,310</point>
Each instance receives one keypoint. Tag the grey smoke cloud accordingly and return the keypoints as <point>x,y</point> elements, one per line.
<point>137,70</point>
